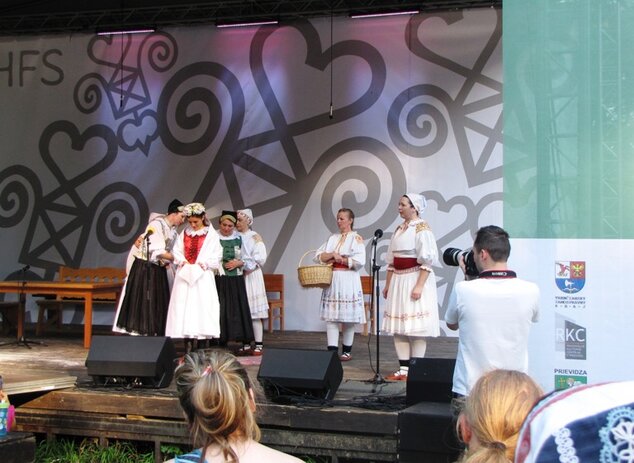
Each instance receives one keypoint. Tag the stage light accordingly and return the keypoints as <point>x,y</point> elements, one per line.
<point>378,15</point>
<point>147,30</point>
<point>246,24</point>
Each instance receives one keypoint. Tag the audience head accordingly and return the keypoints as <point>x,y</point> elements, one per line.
<point>582,424</point>
<point>216,395</point>
<point>495,241</point>
<point>493,414</point>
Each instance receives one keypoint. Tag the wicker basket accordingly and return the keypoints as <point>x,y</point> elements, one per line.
<point>314,276</point>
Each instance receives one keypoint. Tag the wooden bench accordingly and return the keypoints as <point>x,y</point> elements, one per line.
<point>274,284</point>
<point>50,310</point>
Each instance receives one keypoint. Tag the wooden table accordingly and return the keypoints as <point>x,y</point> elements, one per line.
<point>85,291</point>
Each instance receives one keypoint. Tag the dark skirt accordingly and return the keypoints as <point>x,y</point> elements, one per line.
<point>146,299</point>
<point>235,315</point>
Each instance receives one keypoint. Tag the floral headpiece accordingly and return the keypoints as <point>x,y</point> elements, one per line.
<point>194,209</point>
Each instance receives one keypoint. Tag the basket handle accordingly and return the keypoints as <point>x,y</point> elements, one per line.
<point>308,252</point>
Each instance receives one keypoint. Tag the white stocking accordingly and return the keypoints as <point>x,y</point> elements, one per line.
<point>332,333</point>
<point>258,329</point>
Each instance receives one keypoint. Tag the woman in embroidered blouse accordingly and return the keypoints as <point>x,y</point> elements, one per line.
<point>254,259</point>
<point>342,302</point>
<point>194,309</point>
<point>216,395</point>
<point>410,286</point>
<point>235,315</point>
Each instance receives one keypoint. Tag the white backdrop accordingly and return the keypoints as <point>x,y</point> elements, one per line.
<point>96,132</point>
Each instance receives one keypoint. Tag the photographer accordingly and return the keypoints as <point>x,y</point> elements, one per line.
<point>494,313</point>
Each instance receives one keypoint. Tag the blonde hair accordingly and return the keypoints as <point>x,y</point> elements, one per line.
<point>213,390</point>
<point>495,410</point>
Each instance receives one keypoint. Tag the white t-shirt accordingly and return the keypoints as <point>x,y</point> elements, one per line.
<point>494,316</point>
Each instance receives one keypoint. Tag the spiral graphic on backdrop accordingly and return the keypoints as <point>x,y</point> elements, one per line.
<point>373,165</point>
<point>89,92</point>
<point>343,189</point>
<point>162,51</point>
<point>190,124</point>
<point>417,121</point>
<point>19,188</point>
<point>119,210</point>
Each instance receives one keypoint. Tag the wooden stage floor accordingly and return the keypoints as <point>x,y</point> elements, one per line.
<point>359,424</point>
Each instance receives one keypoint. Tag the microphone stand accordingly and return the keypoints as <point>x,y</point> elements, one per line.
<point>148,269</point>
<point>374,305</point>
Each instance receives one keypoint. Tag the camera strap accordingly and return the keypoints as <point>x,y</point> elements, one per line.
<point>498,274</point>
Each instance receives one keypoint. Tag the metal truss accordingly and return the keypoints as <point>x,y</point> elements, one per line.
<point>59,17</point>
<point>613,115</point>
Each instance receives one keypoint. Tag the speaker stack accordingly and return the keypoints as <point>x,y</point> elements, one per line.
<point>300,373</point>
<point>131,361</point>
<point>427,426</point>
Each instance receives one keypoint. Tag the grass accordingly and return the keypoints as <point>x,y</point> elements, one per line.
<point>89,451</point>
<point>69,450</point>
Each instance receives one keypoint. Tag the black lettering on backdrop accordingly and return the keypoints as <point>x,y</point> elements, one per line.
<point>58,71</point>
<point>18,65</point>
<point>7,66</point>
<point>24,54</point>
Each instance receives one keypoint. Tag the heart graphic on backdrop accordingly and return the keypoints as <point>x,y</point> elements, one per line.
<point>109,50</point>
<point>62,144</point>
<point>440,40</point>
<point>138,132</point>
<point>314,68</point>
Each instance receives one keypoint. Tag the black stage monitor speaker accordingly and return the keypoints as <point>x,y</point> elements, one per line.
<point>144,361</point>
<point>429,380</point>
<point>299,372</point>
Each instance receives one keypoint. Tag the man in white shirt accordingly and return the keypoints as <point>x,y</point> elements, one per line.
<point>494,313</point>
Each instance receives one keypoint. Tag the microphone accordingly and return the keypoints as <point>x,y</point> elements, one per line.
<point>378,233</point>
<point>330,113</point>
<point>25,268</point>
<point>149,232</point>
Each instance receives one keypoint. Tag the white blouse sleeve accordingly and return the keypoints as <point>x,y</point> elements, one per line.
<point>426,247</point>
<point>211,252</point>
<point>256,251</point>
<point>319,251</point>
<point>179,249</point>
<point>357,252</point>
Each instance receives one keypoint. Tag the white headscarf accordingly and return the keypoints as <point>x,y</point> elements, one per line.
<point>248,214</point>
<point>418,201</point>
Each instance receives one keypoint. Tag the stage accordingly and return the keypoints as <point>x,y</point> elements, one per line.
<point>55,397</point>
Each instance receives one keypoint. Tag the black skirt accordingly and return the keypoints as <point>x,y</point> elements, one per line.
<point>146,299</point>
<point>235,315</point>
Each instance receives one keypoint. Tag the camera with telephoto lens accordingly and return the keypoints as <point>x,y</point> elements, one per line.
<point>451,256</point>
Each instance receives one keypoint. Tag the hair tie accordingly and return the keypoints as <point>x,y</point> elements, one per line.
<point>206,371</point>
<point>498,446</point>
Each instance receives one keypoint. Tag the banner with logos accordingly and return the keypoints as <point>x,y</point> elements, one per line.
<point>584,332</point>
<point>568,183</point>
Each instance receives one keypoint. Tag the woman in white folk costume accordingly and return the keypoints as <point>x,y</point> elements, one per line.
<point>146,292</point>
<point>342,302</point>
<point>411,314</point>
<point>254,258</point>
<point>194,310</point>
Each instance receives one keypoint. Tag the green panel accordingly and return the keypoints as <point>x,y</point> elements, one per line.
<point>569,118</point>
